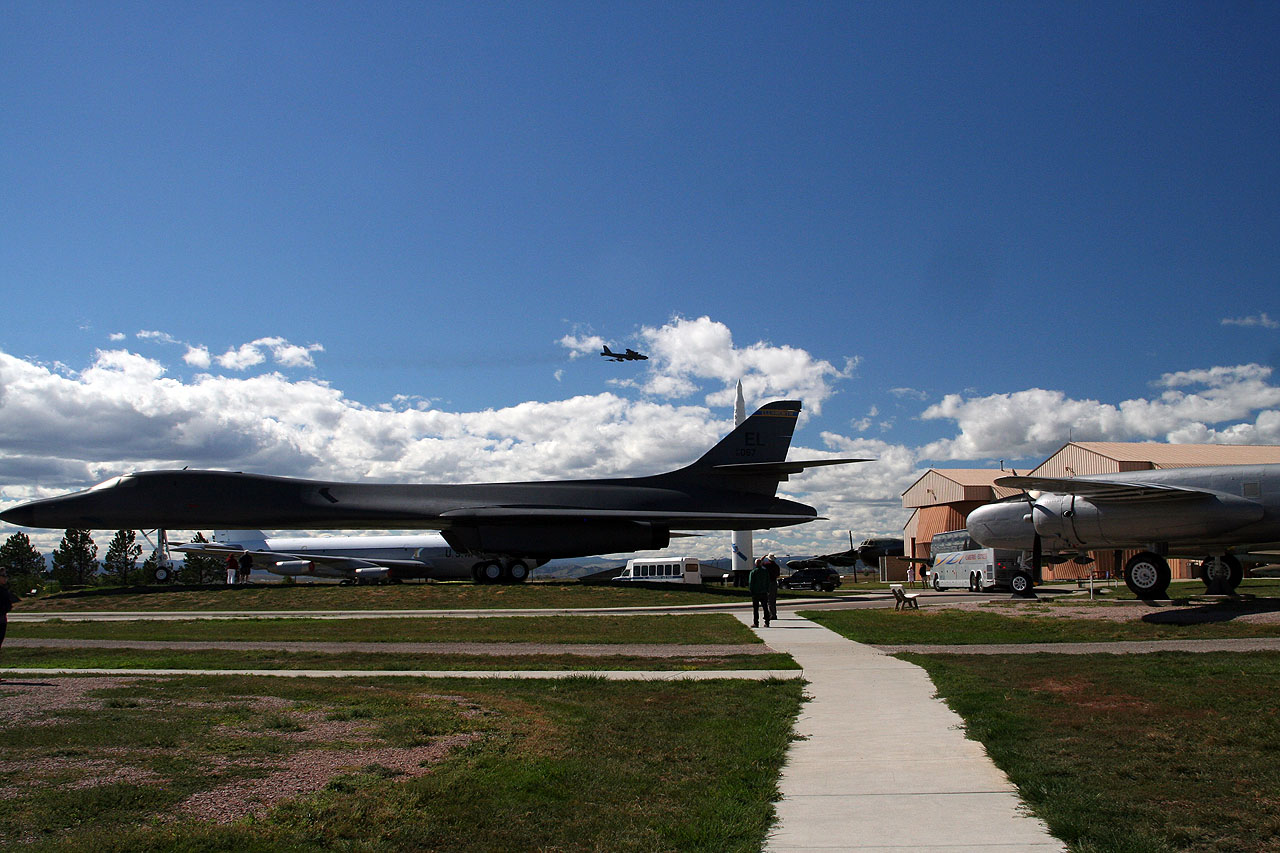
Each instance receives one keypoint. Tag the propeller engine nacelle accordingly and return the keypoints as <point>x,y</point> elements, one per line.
<point>1070,522</point>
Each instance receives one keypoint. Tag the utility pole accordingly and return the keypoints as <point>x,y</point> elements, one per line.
<point>741,552</point>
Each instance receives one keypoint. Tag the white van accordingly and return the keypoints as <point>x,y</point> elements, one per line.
<point>663,570</point>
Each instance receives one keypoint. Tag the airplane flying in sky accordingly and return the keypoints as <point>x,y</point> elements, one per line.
<point>1216,514</point>
<point>731,487</point>
<point>363,559</point>
<point>629,355</point>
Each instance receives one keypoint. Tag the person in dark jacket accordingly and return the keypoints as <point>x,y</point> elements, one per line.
<point>758,583</point>
<point>6,604</point>
<point>770,562</point>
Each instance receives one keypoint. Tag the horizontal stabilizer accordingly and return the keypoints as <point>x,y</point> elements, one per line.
<point>781,470</point>
<point>1103,490</point>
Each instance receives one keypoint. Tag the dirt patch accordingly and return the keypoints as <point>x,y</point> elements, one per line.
<point>1083,694</point>
<point>29,701</point>
<point>326,748</point>
<point>307,772</point>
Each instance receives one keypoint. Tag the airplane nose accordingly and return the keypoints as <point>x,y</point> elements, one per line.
<point>21,516</point>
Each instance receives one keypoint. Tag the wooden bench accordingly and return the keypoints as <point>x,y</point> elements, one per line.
<point>903,600</point>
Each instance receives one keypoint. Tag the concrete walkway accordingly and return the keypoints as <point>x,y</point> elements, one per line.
<point>884,766</point>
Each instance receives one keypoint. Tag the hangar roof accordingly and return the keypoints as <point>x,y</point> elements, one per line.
<point>955,485</point>
<point>1106,457</point>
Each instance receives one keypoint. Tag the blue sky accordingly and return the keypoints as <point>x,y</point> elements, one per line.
<point>964,232</point>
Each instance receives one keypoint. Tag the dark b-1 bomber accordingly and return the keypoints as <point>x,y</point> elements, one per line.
<point>732,487</point>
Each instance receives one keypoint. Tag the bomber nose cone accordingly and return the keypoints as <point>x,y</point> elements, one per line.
<point>21,515</point>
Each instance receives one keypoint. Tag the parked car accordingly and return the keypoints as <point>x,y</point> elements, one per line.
<point>825,578</point>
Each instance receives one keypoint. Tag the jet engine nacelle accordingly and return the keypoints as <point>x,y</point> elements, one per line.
<point>374,574</point>
<point>556,539</point>
<point>304,568</point>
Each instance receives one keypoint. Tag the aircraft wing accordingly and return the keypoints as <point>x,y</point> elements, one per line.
<point>684,520</point>
<point>1104,491</point>
<point>333,561</point>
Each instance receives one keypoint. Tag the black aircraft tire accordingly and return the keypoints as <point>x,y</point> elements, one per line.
<point>1235,573</point>
<point>490,572</point>
<point>1147,575</point>
<point>517,572</point>
<point>1020,583</point>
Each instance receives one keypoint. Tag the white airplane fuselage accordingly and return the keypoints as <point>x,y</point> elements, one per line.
<point>360,558</point>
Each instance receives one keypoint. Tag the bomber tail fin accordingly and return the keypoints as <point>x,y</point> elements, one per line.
<point>753,458</point>
<point>250,540</point>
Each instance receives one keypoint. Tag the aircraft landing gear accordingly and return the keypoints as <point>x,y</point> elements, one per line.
<point>1221,575</point>
<point>515,571</point>
<point>1147,575</point>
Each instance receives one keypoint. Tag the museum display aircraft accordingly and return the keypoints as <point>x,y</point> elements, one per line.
<point>1215,514</point>
<point>362,559</point>
<point>629,355</point>
<point>731,487</point>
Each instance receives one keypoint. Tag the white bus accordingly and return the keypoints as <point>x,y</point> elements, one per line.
<point>959,564</point>
<point>662,570</point>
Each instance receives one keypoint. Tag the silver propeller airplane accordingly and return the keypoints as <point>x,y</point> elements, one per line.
<point>732,487</point>
<point>1215,514</point>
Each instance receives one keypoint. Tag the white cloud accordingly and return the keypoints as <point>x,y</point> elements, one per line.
<point>1034,423</point>
<point>683,352</point>
<point>1259,320</point>
<point>281,351</point>
<point>159,337</point>
<point>198,357</point>
<point>580,345</point>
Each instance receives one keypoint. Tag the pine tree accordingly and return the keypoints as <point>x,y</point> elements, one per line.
<point>121,563</point>
<point>23,564</point>
<point>201,568</point>
<point>75,562</point>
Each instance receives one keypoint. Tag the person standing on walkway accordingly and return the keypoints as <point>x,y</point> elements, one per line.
<point>7,601</point>
<point>770,563</point>
<point>758,583</point>
<point>232,568</point>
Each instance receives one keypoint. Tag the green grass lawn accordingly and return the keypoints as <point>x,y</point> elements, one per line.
<point>1039,625</point>
<point>408,596</point>
<point>1131,754</point>
<point>711,628</point>
<point>574,765</point>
